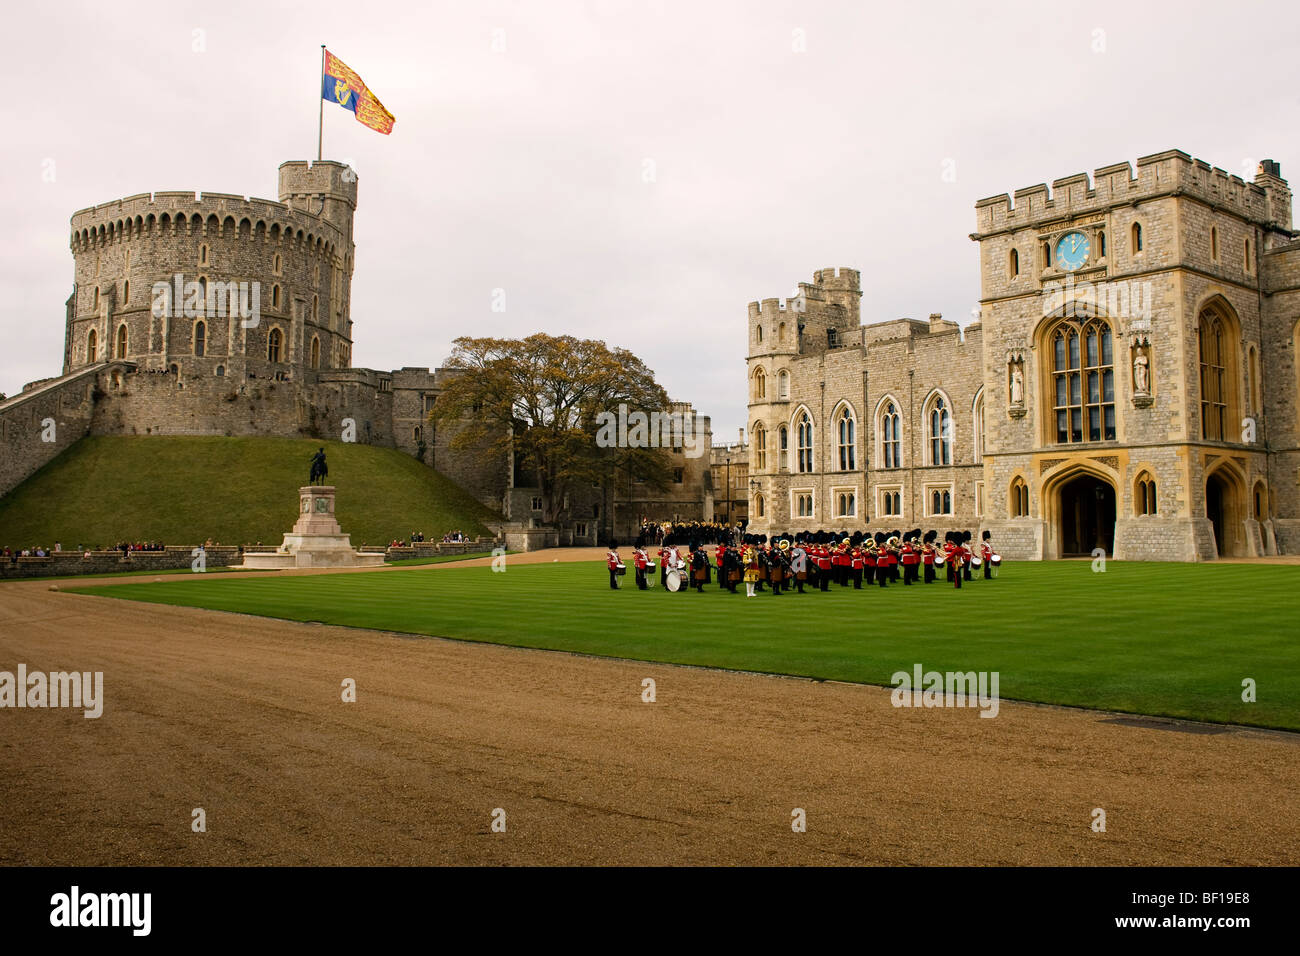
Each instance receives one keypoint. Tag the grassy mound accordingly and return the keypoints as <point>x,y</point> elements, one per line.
<point>183,490</point>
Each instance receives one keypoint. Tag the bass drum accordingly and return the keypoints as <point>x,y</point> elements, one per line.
<point>674,580</point>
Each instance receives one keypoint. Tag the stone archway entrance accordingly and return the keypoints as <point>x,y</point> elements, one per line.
<point>1223,506</point>
<point>1087,516</point>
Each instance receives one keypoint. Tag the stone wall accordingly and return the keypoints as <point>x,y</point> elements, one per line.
<point>112,562</point>
<point>59,409</point>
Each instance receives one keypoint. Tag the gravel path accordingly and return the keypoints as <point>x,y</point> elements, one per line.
<point>242,716</point>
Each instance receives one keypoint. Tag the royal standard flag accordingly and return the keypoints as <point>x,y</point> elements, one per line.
<point>341,85</point>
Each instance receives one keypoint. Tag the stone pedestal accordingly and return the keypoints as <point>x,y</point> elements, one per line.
<point>316,540</point>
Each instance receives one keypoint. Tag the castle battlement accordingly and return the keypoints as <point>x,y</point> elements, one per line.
<point>772,306</point>
<point>215,214</point>
<point>1171,172</point>
<point>837,277</point>
<point>317,200</point>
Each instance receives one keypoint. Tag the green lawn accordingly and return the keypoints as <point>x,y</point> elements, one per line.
<point>1164,639</point>
<point>184,490</point>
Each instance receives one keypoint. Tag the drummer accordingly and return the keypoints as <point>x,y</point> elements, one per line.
<point>614,562</point>
<point>642,561</point>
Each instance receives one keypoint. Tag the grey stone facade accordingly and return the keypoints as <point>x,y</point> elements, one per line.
<point>887,413</point>
<point>1172,434</point>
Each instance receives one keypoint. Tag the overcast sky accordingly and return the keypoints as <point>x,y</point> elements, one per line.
<point>783,137</point>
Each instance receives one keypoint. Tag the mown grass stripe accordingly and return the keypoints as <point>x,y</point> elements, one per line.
<point>1160,639</point>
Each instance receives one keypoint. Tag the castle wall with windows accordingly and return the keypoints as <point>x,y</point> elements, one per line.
<point>860,426</point>
<point>1132,378</point>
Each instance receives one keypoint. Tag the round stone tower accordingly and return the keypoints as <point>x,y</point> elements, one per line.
<point>213,284</point>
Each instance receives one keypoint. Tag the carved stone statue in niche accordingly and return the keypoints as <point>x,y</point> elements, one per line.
<point>1017,384</point>
<point>1141,374</point>
<point>1142,397</point>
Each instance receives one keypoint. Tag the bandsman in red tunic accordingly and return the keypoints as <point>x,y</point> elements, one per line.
<point>911,559</point>
<point>613,562</point>
<point>799,564</point>
<point>955,558</point>
<point>882,559</point>
<point>642,561</point>
<point>927,555</point>
<point>824,567</point>
<point>986,552</point>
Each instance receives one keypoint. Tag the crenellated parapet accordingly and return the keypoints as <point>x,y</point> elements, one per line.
<point>1171,172</point>
<point>217,216</point>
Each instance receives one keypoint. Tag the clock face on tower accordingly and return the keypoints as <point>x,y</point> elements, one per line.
<point>1072,251</point>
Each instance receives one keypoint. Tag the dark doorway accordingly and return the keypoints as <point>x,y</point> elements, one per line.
<point>1216,494</point>
<point>1087,516</point>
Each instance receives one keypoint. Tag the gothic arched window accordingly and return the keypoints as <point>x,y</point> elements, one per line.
<point>804,442</point>
<point>1214,377</point>
<point>1083,380</point>
<point>891,444</point>
<point>845,431</point>
<point>939,425</point>
<point>1019,498</point>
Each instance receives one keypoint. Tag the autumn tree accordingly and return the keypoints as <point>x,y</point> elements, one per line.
<point>540,398</point>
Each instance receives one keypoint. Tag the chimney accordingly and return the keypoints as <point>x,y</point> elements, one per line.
<point>1276,191</point>
<point>742,436</point>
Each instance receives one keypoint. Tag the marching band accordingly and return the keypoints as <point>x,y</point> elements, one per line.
<point>812,559</point>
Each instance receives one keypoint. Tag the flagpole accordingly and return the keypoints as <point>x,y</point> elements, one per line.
<point>320,96</point>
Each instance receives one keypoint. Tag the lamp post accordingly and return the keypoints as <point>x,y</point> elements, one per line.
<point>728,491</point>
